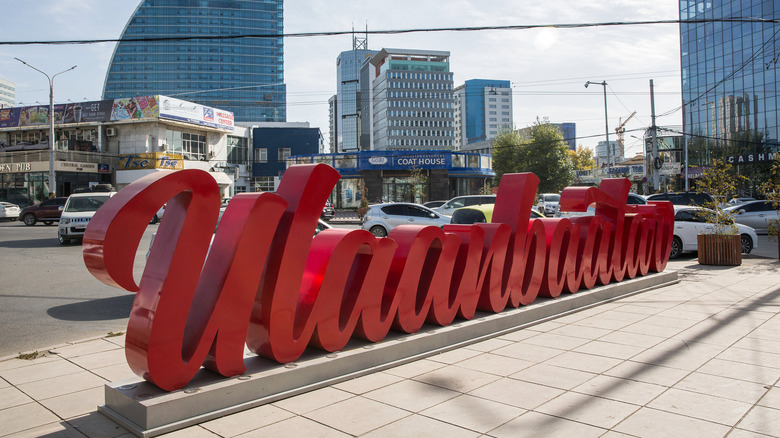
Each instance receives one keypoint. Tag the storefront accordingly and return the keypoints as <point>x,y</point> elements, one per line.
<point>27,183</point>
<point>403,176</point>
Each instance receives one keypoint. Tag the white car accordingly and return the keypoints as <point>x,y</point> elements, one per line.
<point>9,211</point>
<point>755,214</point>
<point>633,199</point>
<point>78,211</point>
<point>380,219</point>
<point>689,222</point>
<point>457,202</point>
<point>548,203</point>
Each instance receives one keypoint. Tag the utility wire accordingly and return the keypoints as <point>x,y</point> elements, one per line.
<point>405,31</point>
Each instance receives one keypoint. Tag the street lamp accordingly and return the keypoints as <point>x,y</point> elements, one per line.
<point>606,119</point>
<point>52,181</point>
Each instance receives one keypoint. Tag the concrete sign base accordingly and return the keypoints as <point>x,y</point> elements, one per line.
<point>148,411</point>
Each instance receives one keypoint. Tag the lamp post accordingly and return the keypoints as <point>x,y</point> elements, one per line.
<point>52,180</point>
<point>606,120</point>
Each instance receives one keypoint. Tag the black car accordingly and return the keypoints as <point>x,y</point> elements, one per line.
<point>48,212</point>
<point>684,198</point>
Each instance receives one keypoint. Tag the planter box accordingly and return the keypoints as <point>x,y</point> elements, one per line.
<point>720,249</point>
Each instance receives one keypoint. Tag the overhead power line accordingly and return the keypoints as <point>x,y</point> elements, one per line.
<point>404,31</point>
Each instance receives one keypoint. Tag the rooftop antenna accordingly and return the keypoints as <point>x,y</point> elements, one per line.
<point>357,42</point>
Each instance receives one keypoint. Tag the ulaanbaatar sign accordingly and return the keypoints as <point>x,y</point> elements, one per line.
<point>151,160</point>
<point>268,284</point>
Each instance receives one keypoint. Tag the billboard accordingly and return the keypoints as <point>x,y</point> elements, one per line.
<point>176,109</point>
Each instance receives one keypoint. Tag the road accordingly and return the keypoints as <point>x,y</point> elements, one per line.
<point>49,298</point>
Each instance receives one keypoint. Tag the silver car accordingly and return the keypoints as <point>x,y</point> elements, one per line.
<point>755,214</point>
<point>380,219</point>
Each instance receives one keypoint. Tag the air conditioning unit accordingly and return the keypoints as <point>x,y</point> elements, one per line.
<point>110,132</point>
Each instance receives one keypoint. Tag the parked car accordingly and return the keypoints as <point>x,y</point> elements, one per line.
<point>380,219</point>
<point>464,201</point>
<point>633,199</point>
<point>548,203</point>
<point>9,211</point>
<point>755,214</point>
<point>480,214</point>
<point>683,198</point>
<point>434,204</point>
<point>689,221</point>
<point>328,212</point>
<point>737,201</point>
<point>78,210</point>
<point>158,216</point>
<point>48,211</point>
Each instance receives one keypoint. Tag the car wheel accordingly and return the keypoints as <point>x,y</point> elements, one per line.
<point>747,244</point>
<point>378,231</point>
<point>29,219</point>
<point>676,248</point>
<point>48,222</point>
<point>63,240</point>
<point>154,220</point>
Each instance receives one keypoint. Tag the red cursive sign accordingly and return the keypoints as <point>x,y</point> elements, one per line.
<point>265,282</point>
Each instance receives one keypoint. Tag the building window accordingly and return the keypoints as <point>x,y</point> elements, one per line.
<point>236,150</point>
<point>284,153</point>
<point>261,155</point>
<point>264,184</point>
<point>191,145</point>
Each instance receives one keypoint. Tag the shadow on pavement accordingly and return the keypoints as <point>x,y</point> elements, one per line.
<point>34,243</point>
<point>95,310</point>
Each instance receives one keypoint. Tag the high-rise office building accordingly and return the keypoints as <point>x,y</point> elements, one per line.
<point>349,95</point>
<point>729,78</point>
<point>412,99</point>
<point>195,51</point>
<point>7,94</point>
<point>483,108</point>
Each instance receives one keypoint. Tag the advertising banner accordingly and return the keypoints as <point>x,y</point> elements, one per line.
<point>175,109</point>
<point>399,160</point>
<point>152,160</point>
<point>134,108</point>
<point>9,117</point>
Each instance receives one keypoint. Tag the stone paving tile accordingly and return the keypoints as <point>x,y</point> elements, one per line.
<point>751,357</point>
<point>11,364</point>
<point>553,340</point>
<point>357,415</point>
<point>584,362</point>
<point>313,400</point>
<point>763,420</point>
<point>495,364</point>
<point>56,386</point>
<point>10,397</point>
<point>415,426</point>
<point>58,430</point>
<point>583,408</point>
<point>489,345</point>
<point>702,406</point>
<point>610,349</point>
<point>84,348</point>
<point>415,368</point>
<point>25,417</point>
<point>76,403</point>
<point>39,371</point>
<point>739,390</point>
<point>519,335</point>
<point>639,308</point>
<point>457,378</point>
<point>532,353</point>
<point>740,371</point>
<point>473,413</point>
<point>191,432</point>
<point>411,395</point>
<point>646,328</point>
<point>535,424</point>
<point>96,424</point>
<point>648,373</point>
<point>454,356</point>
<point>370,382</point>
<point>295,427</point>
<point>101,359</point>
<point>582,332</point>
<point>115,373</point>
<point>649,422</point>
<point>623,390</point>
<point>553,376</point>
<point>759,344</point>
<point>246,421</point>
<point>513,392</point>
<point>711,332</point>
<point>604,323</point>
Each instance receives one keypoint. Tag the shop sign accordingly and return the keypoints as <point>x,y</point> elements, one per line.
<point>404,160</point>
<point>151,160</point>
<point>15,167</point>
<point>68,166</point>
<point>751,158</point>
<point>267,284</point>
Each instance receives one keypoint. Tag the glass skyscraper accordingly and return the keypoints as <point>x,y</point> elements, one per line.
<point>348,98</point>
<point>729,80</point>
<point>194,50</point>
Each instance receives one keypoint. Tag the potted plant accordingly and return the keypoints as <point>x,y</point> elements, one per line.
<point>723,246</point>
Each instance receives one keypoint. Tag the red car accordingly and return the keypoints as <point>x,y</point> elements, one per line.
<point>48,212</point>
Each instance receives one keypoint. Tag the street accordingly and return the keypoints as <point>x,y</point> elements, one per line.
<point>48,297</point>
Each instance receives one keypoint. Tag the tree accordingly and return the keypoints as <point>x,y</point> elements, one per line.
<point>543,153</point>
<point>418,180</point>
<point>582,158</point>
<point>720,182</point>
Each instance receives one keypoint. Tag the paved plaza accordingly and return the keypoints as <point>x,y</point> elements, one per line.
<point>699,358</point>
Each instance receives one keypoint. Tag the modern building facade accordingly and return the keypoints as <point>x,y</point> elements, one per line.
<point>483,107</point>
<point>7,93</point>
<point>348,98</point>
<point>730,79</point>
<point>604,157</point>
<point>412,100</point>
<point>245,75</point>
<point>273,144</point>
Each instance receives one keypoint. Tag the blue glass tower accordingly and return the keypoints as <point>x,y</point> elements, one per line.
<point>730,80</point>
<point>349,98</point>
<point>488,108</point>
<point>223,70</point>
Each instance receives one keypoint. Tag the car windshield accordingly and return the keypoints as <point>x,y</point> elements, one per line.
<point>86,203</point>
<point>552,198</point>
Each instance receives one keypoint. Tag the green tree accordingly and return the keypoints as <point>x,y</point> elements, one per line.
<point>582,158</point>
<point>721,182</point>
<point>543,153</point>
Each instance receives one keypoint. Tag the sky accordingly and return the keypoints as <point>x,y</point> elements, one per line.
<point>547,67</point>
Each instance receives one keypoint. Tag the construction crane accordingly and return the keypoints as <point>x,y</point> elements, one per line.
<point>619,131</point>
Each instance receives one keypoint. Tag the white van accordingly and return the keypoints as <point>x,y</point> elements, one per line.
<point>78,210</point>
